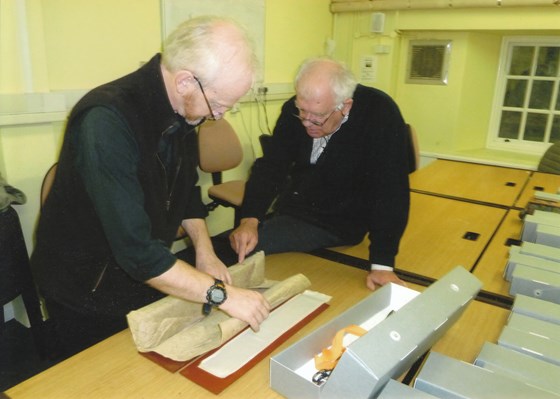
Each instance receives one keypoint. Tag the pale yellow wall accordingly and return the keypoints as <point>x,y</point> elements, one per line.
<point>78,44</point>
<point>294,30</point>
<point>450,119</point>
<point>92,42</point>
<point>477,92</point>
<point>12,75</point>
<point>75,45</point>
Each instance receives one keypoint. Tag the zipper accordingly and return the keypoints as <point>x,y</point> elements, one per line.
<point>98,281</point>
<point>173,182</point>
<point>169,189</point>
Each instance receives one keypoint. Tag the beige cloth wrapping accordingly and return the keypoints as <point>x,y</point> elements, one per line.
<point>176,328</point>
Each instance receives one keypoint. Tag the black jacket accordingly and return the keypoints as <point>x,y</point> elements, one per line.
<point>358,185</point>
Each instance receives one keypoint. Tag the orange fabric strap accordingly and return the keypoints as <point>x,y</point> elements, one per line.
<point>328,358</point>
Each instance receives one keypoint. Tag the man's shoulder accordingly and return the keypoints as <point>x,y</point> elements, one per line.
<point>372,93</point>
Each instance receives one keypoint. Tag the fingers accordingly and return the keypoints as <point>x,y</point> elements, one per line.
<point>241,255</point>
<point>260,316</point>
<point>244,249</point>
<point>377,278</point>
<point>242,243</point>
<point>214,267</point>
<point>246,305</point>
<point>226,277</point>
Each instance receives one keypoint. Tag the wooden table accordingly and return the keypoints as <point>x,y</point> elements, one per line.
<point>538,181</point>
<point>490,267</point>
<point>437,236</point>
<point>113,368</point>
<point>470,181</point>
<point>480,323</point>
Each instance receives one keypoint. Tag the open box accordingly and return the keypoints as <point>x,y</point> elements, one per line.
<point>391,345</point>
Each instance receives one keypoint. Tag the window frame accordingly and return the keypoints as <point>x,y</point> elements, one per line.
<point>516,145</point>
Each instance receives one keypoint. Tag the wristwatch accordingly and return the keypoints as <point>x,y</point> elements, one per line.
<point>215,296</point>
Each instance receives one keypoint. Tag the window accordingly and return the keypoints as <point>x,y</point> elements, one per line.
<point>526,108</point>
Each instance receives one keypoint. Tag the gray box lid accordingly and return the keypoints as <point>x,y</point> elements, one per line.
<point>519,366</point>
<point>445,377</point>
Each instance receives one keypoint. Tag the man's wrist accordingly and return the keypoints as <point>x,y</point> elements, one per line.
<point>252,221</point>
<point>378,267</point>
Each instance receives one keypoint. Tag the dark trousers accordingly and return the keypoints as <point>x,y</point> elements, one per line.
<point>284,233</point>
<point>75,331</point>
<point>277,234</point>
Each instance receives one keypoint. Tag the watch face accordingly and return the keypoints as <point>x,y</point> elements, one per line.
<point>218,295</point>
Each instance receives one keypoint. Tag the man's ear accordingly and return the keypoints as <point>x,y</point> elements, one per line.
<point>182,81</point>
<point>347,106</point>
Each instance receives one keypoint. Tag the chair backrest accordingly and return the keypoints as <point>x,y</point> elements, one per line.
<point>550,161</point>
<point>47,183</point>
<point>219,147</point>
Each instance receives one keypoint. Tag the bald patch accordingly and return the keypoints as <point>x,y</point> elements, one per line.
<point>315,85</point>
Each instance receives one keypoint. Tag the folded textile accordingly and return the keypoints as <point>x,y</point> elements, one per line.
<point>176,328</point>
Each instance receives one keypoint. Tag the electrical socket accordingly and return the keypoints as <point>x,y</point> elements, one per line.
<point>262,90</point>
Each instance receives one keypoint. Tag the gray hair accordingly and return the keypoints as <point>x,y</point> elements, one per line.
<point>342,80</point>
<point>198,45</point>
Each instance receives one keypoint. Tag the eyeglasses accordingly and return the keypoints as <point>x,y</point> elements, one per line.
<point>211,117</point>
<point>316,123</point>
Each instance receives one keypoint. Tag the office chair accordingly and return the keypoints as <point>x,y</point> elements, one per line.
<point>47,183</point>
<point>220,150</point>
<point>16,276</point>
<point>414,149</point>
<point>550,161</point>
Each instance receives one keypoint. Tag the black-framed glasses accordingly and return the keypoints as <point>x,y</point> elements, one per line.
<point>211,117</point>
<point>316,123</point>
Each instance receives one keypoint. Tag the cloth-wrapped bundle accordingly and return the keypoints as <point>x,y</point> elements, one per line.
<point>177,329</point>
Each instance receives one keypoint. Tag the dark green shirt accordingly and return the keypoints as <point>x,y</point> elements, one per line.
<point>107,156</point>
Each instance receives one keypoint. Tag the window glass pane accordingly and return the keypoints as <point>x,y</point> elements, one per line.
<point>529,107</point>
<point>535,127</point>
<point>521,60</point>
<point>541,94</point>
<point>547,63</point>
<point>515,93</point>
<point>509,125</point>
<point>555,131</point>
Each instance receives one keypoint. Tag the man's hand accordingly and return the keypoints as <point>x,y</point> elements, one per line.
<point>246,305</point>
<point>206,259</point>
<point>212,265</point>
<point>377,278</point>
<point>245,237</point>
<point>184,281</point>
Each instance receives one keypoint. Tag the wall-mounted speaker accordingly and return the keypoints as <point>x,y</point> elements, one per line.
<point>377,22</point>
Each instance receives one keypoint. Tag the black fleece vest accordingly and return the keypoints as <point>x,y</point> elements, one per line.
<point>72,260</point>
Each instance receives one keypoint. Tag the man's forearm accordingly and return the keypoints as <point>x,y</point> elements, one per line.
<point>197,230</point>
<point>183,281</point>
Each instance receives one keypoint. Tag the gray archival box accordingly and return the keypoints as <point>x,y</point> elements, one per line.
<point>386,351</point>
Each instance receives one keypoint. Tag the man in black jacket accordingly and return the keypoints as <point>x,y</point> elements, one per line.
<point>126,180</point>
<point>337,166</point>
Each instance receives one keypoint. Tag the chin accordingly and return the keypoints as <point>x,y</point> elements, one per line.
<point>314,133</point>
<point>194,122</point>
